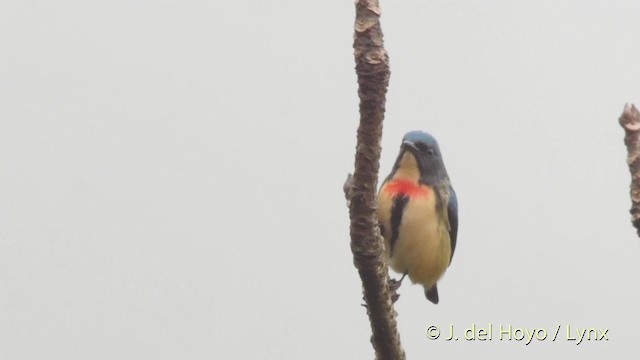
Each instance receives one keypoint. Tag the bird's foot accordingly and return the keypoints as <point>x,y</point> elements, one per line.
<point>394,285</point>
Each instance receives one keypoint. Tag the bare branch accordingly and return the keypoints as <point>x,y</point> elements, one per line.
<point>630,122</point>
<point>372,68</point>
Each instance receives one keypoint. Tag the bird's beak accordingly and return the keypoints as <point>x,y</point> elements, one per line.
<point>409,145</point>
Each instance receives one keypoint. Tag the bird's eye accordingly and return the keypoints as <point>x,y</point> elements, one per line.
<point>425,149</point>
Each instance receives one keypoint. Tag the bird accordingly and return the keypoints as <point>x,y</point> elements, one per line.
<point>418,214</point>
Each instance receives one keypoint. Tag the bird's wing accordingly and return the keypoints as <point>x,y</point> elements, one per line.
<point>452,211</point>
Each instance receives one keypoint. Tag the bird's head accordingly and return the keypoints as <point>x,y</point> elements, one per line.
<point>420,159</point>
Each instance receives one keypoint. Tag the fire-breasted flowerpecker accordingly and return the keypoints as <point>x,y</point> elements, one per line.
<point>418,213</point>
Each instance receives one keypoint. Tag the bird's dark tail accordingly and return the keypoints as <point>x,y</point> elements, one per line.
<point>432,294</point>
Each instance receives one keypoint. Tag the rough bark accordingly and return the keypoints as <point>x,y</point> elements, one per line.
<point>630,122</point>
<point>372,69</point>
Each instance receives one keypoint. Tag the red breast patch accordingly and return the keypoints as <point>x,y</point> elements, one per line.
<point>405,187</point>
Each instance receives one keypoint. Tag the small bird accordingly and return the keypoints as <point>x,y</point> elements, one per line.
<point>418,213</point>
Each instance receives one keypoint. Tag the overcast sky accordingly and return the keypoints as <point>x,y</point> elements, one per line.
<point>171,176</point>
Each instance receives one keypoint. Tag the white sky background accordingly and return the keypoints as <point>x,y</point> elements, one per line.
<point>171,181</point>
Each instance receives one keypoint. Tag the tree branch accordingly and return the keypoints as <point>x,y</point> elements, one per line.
<point>372,68</point>
<point>630,122</point>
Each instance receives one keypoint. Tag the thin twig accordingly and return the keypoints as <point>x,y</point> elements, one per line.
<point>372,69</point>
<point>630,122</point>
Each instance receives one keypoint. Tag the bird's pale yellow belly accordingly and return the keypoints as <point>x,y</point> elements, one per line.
<point>423,247</point>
